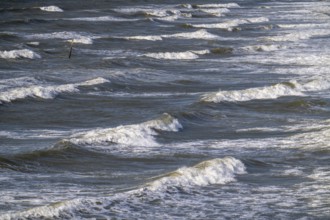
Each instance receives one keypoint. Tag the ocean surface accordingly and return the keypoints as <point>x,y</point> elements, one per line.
<point>146,109</point>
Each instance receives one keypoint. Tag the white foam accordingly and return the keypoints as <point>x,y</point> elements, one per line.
<point>44,92</point>
<point>187,55</point>
<point>51,8</point>
<point>229,24</point>
<point>215,171</point>
<point>132,135</point>
<point>17,82</point>
<point>228,5</point>
<point>16,54</point>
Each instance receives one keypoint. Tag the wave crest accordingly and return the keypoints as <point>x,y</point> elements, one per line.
<point>135,135</point>
<point>215,171</point>
<point>16,54</point>
<point>51,8</point>
<point>45,92</point>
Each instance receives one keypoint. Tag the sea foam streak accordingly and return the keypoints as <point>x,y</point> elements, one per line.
<point>16,54</point>
<point>133,135</point>
<point>44,92</point>
<point>214,171</point>
<point>292,88</point>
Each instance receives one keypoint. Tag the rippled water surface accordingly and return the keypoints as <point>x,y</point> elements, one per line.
<point>164,110</point>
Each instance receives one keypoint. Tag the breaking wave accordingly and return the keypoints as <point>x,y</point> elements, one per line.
<point>215,171</point>
<point>44,91</point>
<point>16,54</point>
<point>134,135</point>
<point>292,88</point>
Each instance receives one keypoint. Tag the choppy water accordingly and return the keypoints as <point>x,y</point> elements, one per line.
<point>165,110</point>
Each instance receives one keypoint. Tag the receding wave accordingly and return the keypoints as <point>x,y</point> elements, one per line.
<point>134,135</point>
<point>17,54</point>
<point>292,88</point>
<point>214,171</point>
<point>44,91</point>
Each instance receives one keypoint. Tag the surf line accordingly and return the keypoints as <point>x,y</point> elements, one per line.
<point>71,46</point>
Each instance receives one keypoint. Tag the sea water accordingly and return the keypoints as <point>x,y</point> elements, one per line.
<point>164,110</point>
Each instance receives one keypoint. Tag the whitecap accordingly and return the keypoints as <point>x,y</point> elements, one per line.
<point>133,135</point>
<point>215,171</point>
<point>150,38</point>
<point>200,34</point>
<point>187,55</point>
<point>74,37</point>
<point>51,8</point>
<point>292,88</point>
<point>229,24</point>
<point>267,92</point>
<point>44,91</point>
<point>216,12</point>
<point>16,54</point>
<point>264,48</point>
